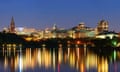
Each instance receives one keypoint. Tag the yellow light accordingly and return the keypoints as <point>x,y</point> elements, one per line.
<point>59,57</point>
<point>39,58</point>
<point>28,38</point>
<point>101,36</point>
<point>72,59</point>
<point>54,60</point>
<point>6,63</point>
<point>47,59</point>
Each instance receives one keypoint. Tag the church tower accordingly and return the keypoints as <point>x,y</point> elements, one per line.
<point>103,26</point>
<point>12,26</point>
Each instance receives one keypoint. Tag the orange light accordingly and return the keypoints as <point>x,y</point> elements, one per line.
<point>78,42</point>
<point>28,39</point>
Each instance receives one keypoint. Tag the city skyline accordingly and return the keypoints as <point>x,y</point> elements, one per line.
<point>66,14</point>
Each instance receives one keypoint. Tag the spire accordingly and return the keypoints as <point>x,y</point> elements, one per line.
<point>12,20</point>
<point>12,25</point>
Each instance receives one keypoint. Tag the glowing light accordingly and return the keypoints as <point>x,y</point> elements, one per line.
<point>118,45</point>
<point>82,68</point>
<point>72,60</point>
<point>60,57</point>
<point>101,36</point>
<point>28,38</point>
<point>5,63</point>
<point>68,52</point>
<point>78,42</point>
<point>91,61</point>
<point>115,55</point>
<point>20,64</point>
<point>47,59</point>
<point>54,60</point>
<point>78,52</point>
<point>39,58</point>
<point>114,42</point>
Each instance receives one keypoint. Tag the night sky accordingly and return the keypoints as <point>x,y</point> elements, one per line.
<point>41,14</point>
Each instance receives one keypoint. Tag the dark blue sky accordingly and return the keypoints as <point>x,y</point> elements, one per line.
<point>65,13</point>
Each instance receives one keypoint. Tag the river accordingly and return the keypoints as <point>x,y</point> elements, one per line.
<point>62,59</point>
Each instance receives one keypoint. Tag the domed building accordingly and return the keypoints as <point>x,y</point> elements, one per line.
<point>81,26</point>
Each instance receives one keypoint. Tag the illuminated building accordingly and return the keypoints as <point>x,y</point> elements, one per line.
<point>24,31</point>
<point>84,34</point>
<point>81,31</point>
<point>71,33</point>
<point>62,34</point>
<point>47,33</point>
<point>54,33</point>
<point>81,26</point>
<point>28,33</point>
<point>106,34</point>
<point>5,30</point>
<point>12,26</point>
<point>102,26</point>
<point>58,33</point>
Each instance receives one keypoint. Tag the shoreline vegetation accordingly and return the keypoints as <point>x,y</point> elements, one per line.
<point>11,38</point>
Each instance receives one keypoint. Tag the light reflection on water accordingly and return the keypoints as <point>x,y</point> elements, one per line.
<point>57,60</point>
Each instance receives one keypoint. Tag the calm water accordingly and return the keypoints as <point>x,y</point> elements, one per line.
<point>58,60</point>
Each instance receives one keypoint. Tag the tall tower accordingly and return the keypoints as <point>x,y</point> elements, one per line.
<point>54,27</point>
<point>12,26</point>
<point>102,26</point>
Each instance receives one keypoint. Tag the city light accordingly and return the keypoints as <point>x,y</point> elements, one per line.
<point>59,36</point>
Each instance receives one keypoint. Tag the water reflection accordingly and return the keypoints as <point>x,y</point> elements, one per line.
<point>60,59</point>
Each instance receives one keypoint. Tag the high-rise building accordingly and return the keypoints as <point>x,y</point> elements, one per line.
<point>102,26</point>
<point>12,26</point>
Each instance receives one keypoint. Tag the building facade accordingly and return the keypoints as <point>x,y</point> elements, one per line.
<point>102,26</point>
<point>12,26</point>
